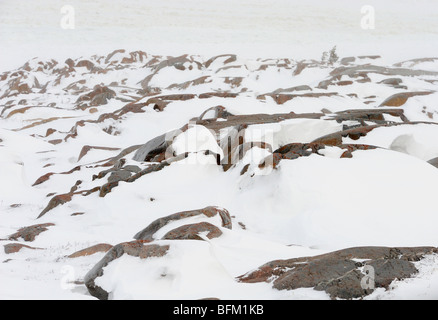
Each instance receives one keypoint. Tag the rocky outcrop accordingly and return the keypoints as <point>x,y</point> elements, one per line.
<point>30,233</point>
<point>99,96</point>
<point>140,249</point>
<point>340,273</point>
<point>148,232</point>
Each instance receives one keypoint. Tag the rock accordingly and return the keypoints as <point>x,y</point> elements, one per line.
<point>230,143</point>
<point>250,119</point>
<point>85,63</point>
<point>293,151</point>
<point>363,70</point>
<point>119,175</point>
<point>231,58</point>
<point>132,168</point>
<point>101,247</point>
<point>106,188</point>
<point>399,99</point>
<point>135,56</point>
<point>281,98</point>
<point>347,60</point>
<point>66,197</point>
<point>186,84</point>
<point>15,247</point>
<point>218,94</point>
<point>219,113</point>
<point>335,139</point>
<point>47,176</point>
<point>344,83</point>
<point>57,200</point>
<point>29,233</point>
<point>191,232</point>
<point>43,178</point>
<point>391,81</point>
<point>338,273</point>
<point>99,96</point>
<point>375,115</point>
<point>85,149</point>
<point>434,162</point>
<point>235,82</point>
<point>297,88</point>
<point>155,146</point>
<point>140,249</point>
<point>70,63</point>
<point>109,56</point>
<point>148,232</point>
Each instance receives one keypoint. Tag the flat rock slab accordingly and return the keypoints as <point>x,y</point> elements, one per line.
<point>101,247</point>
<point>192,231</point>
<point>339,273</point>
<point>15,247</point>
<point>399,99</point>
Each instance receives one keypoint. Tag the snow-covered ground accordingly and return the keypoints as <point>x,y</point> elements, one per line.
<point>62,123</point>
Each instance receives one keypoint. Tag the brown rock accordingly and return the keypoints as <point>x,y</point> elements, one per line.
<point>400,99</point>
<point>29,233</point>
<point>138,248</point>
<point>101,247</point>
<point>149,231</point>
<point>191,232</point>
<point>85,149</point>
<point>85,63</point>
<point>281,98</point>
<point>15,247</point>
<point>99,96</point>
<point>337,273</point>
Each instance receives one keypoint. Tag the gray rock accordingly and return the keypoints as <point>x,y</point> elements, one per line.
<point>434,162</point>
<point>155,146</point>
<point>119,175</point>
<point>135,248</point>
<point>148,232</point>
<point>338,273</point>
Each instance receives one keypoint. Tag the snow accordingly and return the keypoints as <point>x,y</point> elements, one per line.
<point>304,207</point>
